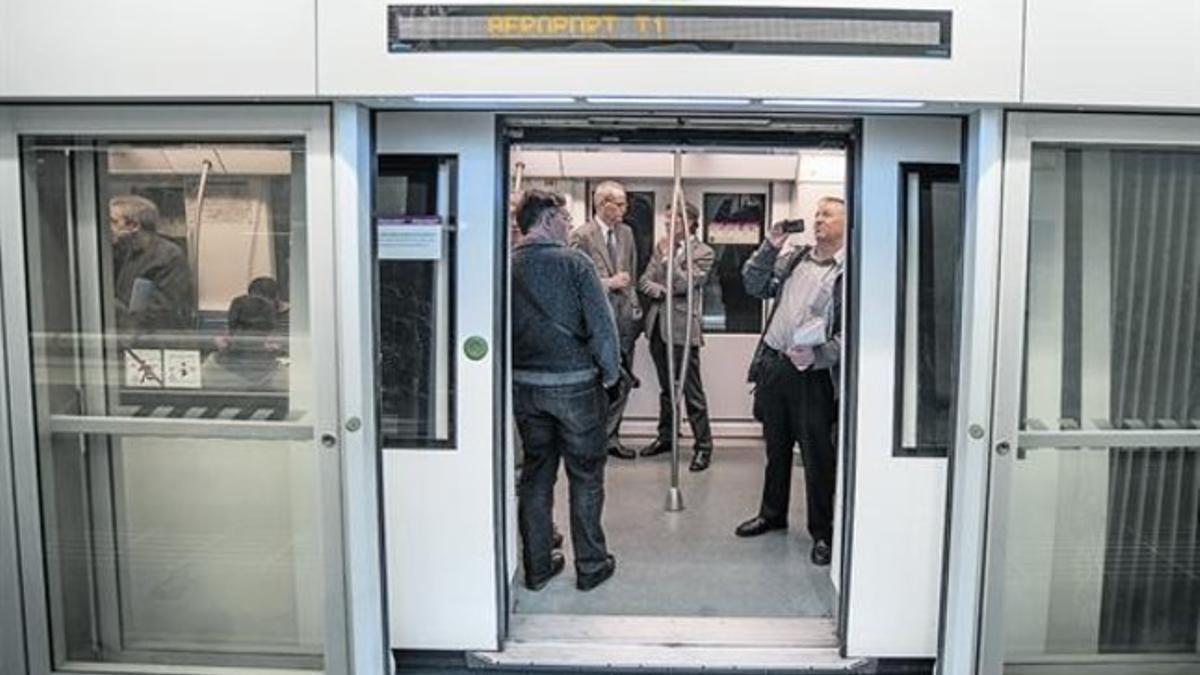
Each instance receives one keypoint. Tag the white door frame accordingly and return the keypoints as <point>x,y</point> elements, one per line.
<point>1023,131</point>
<point>312,123</point>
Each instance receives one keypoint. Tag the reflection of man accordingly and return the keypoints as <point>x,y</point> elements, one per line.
<point>564,350</point>
<point>794,397</point>
<point>654,284</point>
<point>609,243</point>
<point>153,283</point>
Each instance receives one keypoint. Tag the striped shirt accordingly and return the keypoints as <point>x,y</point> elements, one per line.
<point>807,294</point>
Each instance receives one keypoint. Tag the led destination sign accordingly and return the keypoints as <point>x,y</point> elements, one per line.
<point>598,28</point>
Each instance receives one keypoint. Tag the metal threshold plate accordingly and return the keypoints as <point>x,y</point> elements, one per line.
<point>693,631</point>
<point>682,644</point>
<point>530,656</point>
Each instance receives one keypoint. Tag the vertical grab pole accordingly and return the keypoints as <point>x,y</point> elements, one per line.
<point>194,229</point>
<point>674,495</point>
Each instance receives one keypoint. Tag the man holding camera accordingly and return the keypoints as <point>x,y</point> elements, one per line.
<point>793,371</point>
<point>608,242</point>
<point>565,361</point>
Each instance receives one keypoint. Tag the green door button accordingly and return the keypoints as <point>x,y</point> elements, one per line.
<point>475,348</point>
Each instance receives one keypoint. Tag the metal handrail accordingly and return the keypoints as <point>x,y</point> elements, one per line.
<point>678,209</point>
<point>1109,438</point>
<point>184,428</point>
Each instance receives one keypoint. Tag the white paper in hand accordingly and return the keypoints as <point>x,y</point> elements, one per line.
<point>810,333</point>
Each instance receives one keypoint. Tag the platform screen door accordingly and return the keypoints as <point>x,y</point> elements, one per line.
<point>1093,555</point>
<point>177,462</point>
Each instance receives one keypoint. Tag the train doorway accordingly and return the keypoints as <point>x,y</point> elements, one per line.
<point>682,575</point>
<point>683,578</point>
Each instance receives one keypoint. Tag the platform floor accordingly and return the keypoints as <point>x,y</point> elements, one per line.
<point>690,563</point>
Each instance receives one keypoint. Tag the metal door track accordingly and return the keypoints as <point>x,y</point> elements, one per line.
<point>542,656</point>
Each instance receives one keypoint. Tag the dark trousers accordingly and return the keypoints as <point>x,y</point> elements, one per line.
<point>798,407</point>
<point>616,409</point>
<point>693,392</point>
<point>564,422</point>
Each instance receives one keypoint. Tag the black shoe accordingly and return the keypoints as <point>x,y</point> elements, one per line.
<point>658,447</point>
<point>700,460</point>
<point>821,554</point>
<point>621,452</point>
<point>586,582</point>
<point>557,540</point>
<point>759,525</point>
<point>557,563</point>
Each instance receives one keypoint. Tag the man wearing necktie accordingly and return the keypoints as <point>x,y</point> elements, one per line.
<point>609,243</point>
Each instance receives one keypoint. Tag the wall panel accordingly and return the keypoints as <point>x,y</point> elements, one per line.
<point>1113,52</point>
<point>148,49</point>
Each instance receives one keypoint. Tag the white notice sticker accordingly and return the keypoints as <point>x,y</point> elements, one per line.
<point>182,368</point>
<point>402,240</point>
<point>144,368</point>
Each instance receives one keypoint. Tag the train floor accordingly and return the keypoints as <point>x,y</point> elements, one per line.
<point>690,563</point>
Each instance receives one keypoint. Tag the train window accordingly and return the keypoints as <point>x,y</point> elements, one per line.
<point>415,218</point>
<point>189,247</point>
<point>733,225</point>
<point>930,243</point>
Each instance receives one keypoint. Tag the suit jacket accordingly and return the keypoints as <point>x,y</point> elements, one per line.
<point>654,284</point>
<point>589,238</point>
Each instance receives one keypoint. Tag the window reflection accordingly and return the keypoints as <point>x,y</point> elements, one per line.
<point>166,280</point>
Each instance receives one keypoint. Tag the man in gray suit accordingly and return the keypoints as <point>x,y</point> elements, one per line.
<point>608,242</point>
<point>654,284</point>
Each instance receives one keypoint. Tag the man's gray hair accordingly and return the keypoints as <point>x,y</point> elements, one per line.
<point>136,209</point>
<point>606,190</point>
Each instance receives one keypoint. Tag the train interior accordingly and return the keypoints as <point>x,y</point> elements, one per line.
<point>682,575</point>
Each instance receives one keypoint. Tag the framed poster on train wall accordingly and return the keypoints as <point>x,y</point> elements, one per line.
<point>734,217</point>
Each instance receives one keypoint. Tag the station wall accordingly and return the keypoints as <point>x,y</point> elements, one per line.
<point>145,49</point>
<point>1102,53</point>
<point>1113,53</point>
<point>985,65</point>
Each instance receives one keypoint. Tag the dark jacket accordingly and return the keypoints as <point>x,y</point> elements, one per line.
<point>169,303</point>
<point>563,282</point>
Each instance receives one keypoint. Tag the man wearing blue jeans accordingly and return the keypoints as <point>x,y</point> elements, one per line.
<point>566,367</point>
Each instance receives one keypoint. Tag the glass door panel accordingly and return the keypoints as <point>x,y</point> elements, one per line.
<point>175,394</point>
<point>1095,553</point>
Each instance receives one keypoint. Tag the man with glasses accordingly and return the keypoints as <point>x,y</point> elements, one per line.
<point>609,243</point>
<point>565,360</point>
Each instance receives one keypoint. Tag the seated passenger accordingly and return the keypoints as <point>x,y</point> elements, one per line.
<point>565,356</point>
<point>247,362</point>
<point>268,289</point>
